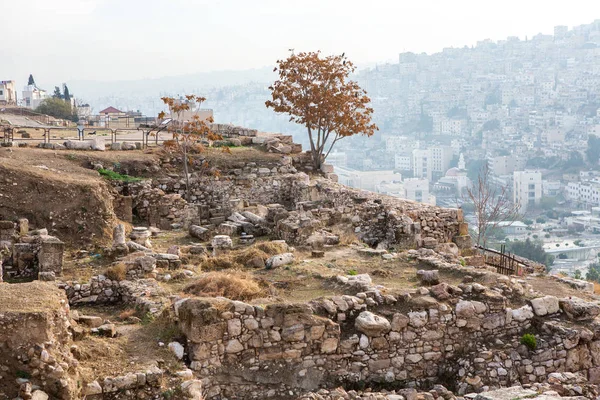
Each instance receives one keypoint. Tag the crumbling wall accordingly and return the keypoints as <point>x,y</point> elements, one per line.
<point>35,340</point>
<point>377,219</point>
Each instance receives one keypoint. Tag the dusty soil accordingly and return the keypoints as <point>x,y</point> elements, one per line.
<point>558,289</point>
<point>31,297</point>
<point>137,347</point>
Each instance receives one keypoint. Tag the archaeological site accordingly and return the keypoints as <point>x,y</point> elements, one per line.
<point>258,276</point>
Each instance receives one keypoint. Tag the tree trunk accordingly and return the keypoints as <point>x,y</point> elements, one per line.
<point>187,175</point>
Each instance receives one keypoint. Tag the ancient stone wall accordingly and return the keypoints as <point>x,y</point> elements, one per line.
<point>377,219</point>
<point>389,219</point>
<point>143,294</point>
<point>243,351</point>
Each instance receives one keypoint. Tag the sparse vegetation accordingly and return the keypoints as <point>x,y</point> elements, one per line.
<point>529,340</point>
<point>115,176</point>
<point>23,374</point>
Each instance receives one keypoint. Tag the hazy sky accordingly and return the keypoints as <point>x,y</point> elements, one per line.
<point>63,40</point>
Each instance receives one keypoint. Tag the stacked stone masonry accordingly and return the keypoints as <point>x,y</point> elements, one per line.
<point>245,351</point>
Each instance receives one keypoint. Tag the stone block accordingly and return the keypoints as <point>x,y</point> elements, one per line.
<point>371,324</point>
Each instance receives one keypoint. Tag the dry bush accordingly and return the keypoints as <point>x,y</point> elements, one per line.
<point>596,288</point>
<point>232,285</point>
<point>218,263</point>
<point>127,313</point>
<point>251,257</point>
<point>117,272</point>
<point>272,248</point>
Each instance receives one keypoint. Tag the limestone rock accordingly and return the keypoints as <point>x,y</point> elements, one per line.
<point>545,305</point>
<point>199,232</point>
<point>372,325</point>
<point>222,242</point>
<point>177,349</point>
<point>429,277</point>
<point>522,314</point>
<point>279,260</point>
<point>578,309</point>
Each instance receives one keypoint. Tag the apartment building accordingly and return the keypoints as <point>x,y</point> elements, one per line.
<point>527,189</point>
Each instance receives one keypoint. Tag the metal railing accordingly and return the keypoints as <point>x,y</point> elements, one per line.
<point>505,263</point>
<point>148,136</point>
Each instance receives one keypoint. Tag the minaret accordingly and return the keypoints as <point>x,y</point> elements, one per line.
<point>461,162</point>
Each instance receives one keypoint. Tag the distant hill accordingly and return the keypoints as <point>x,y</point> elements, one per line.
<point>180,84</point>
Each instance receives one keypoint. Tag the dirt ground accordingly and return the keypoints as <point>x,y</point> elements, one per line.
<point>137,347</point>
<point>554,288</point>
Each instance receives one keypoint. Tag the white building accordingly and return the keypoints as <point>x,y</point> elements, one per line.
<point>527,189</point>
<point>586,192</point>
<point>8,95</point>
<point>417,190</point>
<point>433,159</point>
<point>441,157</point>
<point>421,164</point>
<point>366,180</point>
<point>337,159</point>
<point>32,96</point>
<point>403,161</point>
<point>551,188</point>
<point>394,188</point>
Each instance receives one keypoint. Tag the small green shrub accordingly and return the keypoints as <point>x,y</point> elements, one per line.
<point>148,318</point>
<point>115,176</point>
<point>352,272</point>
<point>463,262</point>
<point>529,340</point>
<point>23,374</point>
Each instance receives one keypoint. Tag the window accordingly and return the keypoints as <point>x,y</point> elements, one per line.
<point>531,194</point>
<point>531,186</point>
<point>1,92</point>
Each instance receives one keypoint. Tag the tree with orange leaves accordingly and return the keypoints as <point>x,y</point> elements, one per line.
<point>188,132</point>
<point>316,92</point>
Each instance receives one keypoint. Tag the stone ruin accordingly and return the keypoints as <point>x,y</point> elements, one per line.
<point>468,337</point>
<point>29,255</point>
<point>415,343</point>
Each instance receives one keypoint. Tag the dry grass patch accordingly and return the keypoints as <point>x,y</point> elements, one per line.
<point>117,272</point>
<point>221,262</point>
<point>249,257</point>
<point>232,285</point>
<point>127,313</point>
<point>272,248</point>
<point>596,288</point>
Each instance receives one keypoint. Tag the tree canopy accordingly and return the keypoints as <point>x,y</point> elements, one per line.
<point>57,108</point>
<point>316,92</point>
<point>188,134</point>
<point>593,149</point>
<point>57,94</point>
<point>31,81</point>
<point>66,94</point>
<point>532,250</point>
